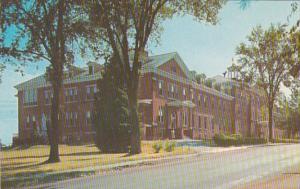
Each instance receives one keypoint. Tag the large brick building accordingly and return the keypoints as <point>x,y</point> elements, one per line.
<point>171,104</point>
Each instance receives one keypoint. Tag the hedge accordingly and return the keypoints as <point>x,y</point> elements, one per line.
<point>236,140</point>
<point>285,140</point>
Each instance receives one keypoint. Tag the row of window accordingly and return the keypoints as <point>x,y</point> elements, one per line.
<point>202,100</point>
<point>71,119</point>
<point>184,118</point>
<point>70,94</point>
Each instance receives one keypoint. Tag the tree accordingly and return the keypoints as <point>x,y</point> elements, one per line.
<point>128,26</point>
<point>42,30</point>
<point>111,113</point>
<point>200,78</point>
<point>267,60</point>
<point>2,67</point>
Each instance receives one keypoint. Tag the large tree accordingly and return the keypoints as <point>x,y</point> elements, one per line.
<point>111,113</point>
<point>267,59</point>
<point>36,30</point>
<point>128,26</point>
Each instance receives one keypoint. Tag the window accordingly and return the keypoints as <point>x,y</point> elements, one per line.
<point>48,96</point>
<point>192,94</point>
<point>160,83</point>
<point>160,114</point>
<point>199,101</point>
<point>199,123</point>
<point>184,118</point>
<point>174,69</point>
<point>71,94</point>
<point>30,97</point>
<point>90,92</point>
<point>88,118</point>
<point>71,118</point>
<point>192,121</point>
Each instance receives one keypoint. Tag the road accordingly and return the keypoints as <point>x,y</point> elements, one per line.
<point>218,170</point>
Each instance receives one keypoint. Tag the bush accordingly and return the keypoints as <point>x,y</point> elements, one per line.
<point>236,140</point>
<point>157,147</point>
<point>285,140</point>
<point>169,146</point>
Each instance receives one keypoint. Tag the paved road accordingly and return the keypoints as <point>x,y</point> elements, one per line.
<point>219,170</point>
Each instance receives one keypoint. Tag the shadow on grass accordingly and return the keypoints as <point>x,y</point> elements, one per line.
<point>25,166</point>
<point>43,156</point>
<point>40,178</point>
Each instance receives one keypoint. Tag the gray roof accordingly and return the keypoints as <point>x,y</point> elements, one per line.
<point>40,81</point>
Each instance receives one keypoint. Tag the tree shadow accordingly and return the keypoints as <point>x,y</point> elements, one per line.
<point>25,166</point>
<point>61,155</point>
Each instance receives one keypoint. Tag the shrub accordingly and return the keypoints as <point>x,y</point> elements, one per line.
<point>236,140</point>
<point>285,140</point>
<point>157,147</point>
<point>169,146</point>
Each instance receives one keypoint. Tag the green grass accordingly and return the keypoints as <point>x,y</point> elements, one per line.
<point>29,162</point>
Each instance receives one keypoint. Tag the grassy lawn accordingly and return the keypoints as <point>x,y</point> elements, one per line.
<point>19,162</point>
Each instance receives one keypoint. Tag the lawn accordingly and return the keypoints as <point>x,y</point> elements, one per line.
<point>20,162</point>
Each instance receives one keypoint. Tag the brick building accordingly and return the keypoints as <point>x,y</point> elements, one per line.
<point>171,104</point>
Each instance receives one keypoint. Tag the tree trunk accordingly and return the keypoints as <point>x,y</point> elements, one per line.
<point>54,133</point>
<point>135,140</point>
<point>249,116</point>
<point>270,123</point>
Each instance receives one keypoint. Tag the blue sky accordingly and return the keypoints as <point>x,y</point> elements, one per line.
<point>203,47</point>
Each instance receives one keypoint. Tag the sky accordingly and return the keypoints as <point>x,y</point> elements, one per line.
<point>203,47</point>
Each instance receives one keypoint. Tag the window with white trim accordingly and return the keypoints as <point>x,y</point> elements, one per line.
<point>48,96</point>
<point>30,97</point>
<point>160,90</point>
<point>91,90</point>
<point>88,118</point>
<point>160,114</point>
<point>71,94</point>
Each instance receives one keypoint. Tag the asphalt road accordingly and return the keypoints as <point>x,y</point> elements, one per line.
<point>219,170</point>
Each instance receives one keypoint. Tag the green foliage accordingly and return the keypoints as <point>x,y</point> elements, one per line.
<point>200,78</point>
<point>208,83</point>
<point>111,113</point>
<point>217,86</point>
<point>266,60</point>
<point>236,140</point>
<point>285,140</point>
<point>169,146</point>
<point>128,26</point>
<point>157,146</point>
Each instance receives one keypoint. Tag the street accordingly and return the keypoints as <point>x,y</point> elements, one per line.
<point>218,170</point>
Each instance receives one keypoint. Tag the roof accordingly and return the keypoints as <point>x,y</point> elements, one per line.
<point>158,60</point>
<point>40,81</point>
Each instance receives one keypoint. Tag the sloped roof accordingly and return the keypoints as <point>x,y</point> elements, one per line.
<point>158,60</point>
<point>40,81</point>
